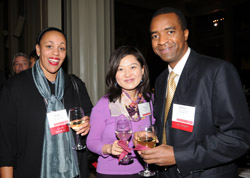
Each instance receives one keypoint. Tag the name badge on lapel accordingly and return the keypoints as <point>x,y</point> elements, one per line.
<point>183,117</point>
<point>58,121</point>
<point>144,109</point>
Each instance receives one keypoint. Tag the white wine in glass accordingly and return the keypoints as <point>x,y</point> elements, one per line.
<point>147,138</point>
<point>76,124</point>
<point>123,131</point>
<point>75,117</point>
<point>147,141</point>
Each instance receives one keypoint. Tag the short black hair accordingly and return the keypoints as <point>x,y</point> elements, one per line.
<point>167,10</point>
<point>33,54</point>
<point>114,90</point>
<point>40,36</point>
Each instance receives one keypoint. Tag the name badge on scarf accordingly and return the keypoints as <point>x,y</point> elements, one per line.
<point>144,109</point>
<point>183,117</point>
<point>58,121</point>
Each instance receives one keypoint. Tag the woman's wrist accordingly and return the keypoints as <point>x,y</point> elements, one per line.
<point>106,149</point>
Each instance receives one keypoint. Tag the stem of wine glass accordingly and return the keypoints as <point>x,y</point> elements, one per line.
<point>77,139</point>
<point>146,167</point>
<point>79,145</point>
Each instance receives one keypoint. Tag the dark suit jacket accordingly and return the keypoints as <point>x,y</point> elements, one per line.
<point>222,122</point>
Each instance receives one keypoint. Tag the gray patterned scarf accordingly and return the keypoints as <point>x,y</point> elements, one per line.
<point>59,160</point>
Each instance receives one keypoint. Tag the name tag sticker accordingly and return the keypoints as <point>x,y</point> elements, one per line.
<point>144,109</point>
<point>58,121</point>
<point>183,117</point>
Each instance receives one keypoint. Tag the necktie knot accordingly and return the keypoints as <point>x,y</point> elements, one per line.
<point>172,76</point>
<point>171,84</point>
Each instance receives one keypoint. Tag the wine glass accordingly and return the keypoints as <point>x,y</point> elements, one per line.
<point>75,117</point>
<point>147,138</point>
<point>123,131</point>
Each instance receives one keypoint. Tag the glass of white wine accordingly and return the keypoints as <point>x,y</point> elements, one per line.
<point>147,138</point>
<point>123,131</point>
<point>76,121</point>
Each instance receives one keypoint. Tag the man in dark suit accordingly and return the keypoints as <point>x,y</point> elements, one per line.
<point>208,123</point>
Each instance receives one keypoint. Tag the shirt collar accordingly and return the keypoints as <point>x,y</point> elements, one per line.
<point>180,65</point>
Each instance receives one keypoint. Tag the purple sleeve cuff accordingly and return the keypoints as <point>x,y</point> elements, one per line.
<point>100,151</point>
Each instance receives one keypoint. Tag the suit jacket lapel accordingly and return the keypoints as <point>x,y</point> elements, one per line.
<point>185,78</point>
<point>162,94</point>
<point>182,86</point>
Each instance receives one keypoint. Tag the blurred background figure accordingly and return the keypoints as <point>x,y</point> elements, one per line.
<point>20,62</point>
<point>33,57</point>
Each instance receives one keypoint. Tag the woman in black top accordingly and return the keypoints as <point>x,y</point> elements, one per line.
<point>28,149</point>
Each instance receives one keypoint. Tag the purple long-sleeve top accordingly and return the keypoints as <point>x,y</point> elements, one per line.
<point>102,132</point>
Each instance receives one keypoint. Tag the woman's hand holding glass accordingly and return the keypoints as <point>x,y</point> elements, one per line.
<point>123,131</point>
<point>77,124</point>
<point>84,128</point>
<point>114,149</point>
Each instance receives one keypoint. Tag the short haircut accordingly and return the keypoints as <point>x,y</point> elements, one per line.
<point>167,10</point>
<point>20,54</point>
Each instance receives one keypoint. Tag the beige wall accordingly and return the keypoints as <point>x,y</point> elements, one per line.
<point>92,39</point>
<point>55,13</point>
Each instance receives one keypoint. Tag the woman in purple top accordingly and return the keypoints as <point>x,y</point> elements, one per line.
<point>128,89</point>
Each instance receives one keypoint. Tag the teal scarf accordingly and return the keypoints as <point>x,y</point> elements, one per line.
<point>59,160</point>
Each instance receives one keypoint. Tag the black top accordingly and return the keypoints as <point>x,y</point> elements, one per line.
<point>22,123</point>
<point>2,79</point>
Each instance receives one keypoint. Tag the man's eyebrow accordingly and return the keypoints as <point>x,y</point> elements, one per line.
<point>153,32</point>
<point>170,28</point>
<point>167,28</point>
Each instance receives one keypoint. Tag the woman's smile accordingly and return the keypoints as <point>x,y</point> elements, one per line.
<point>54,61</point>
